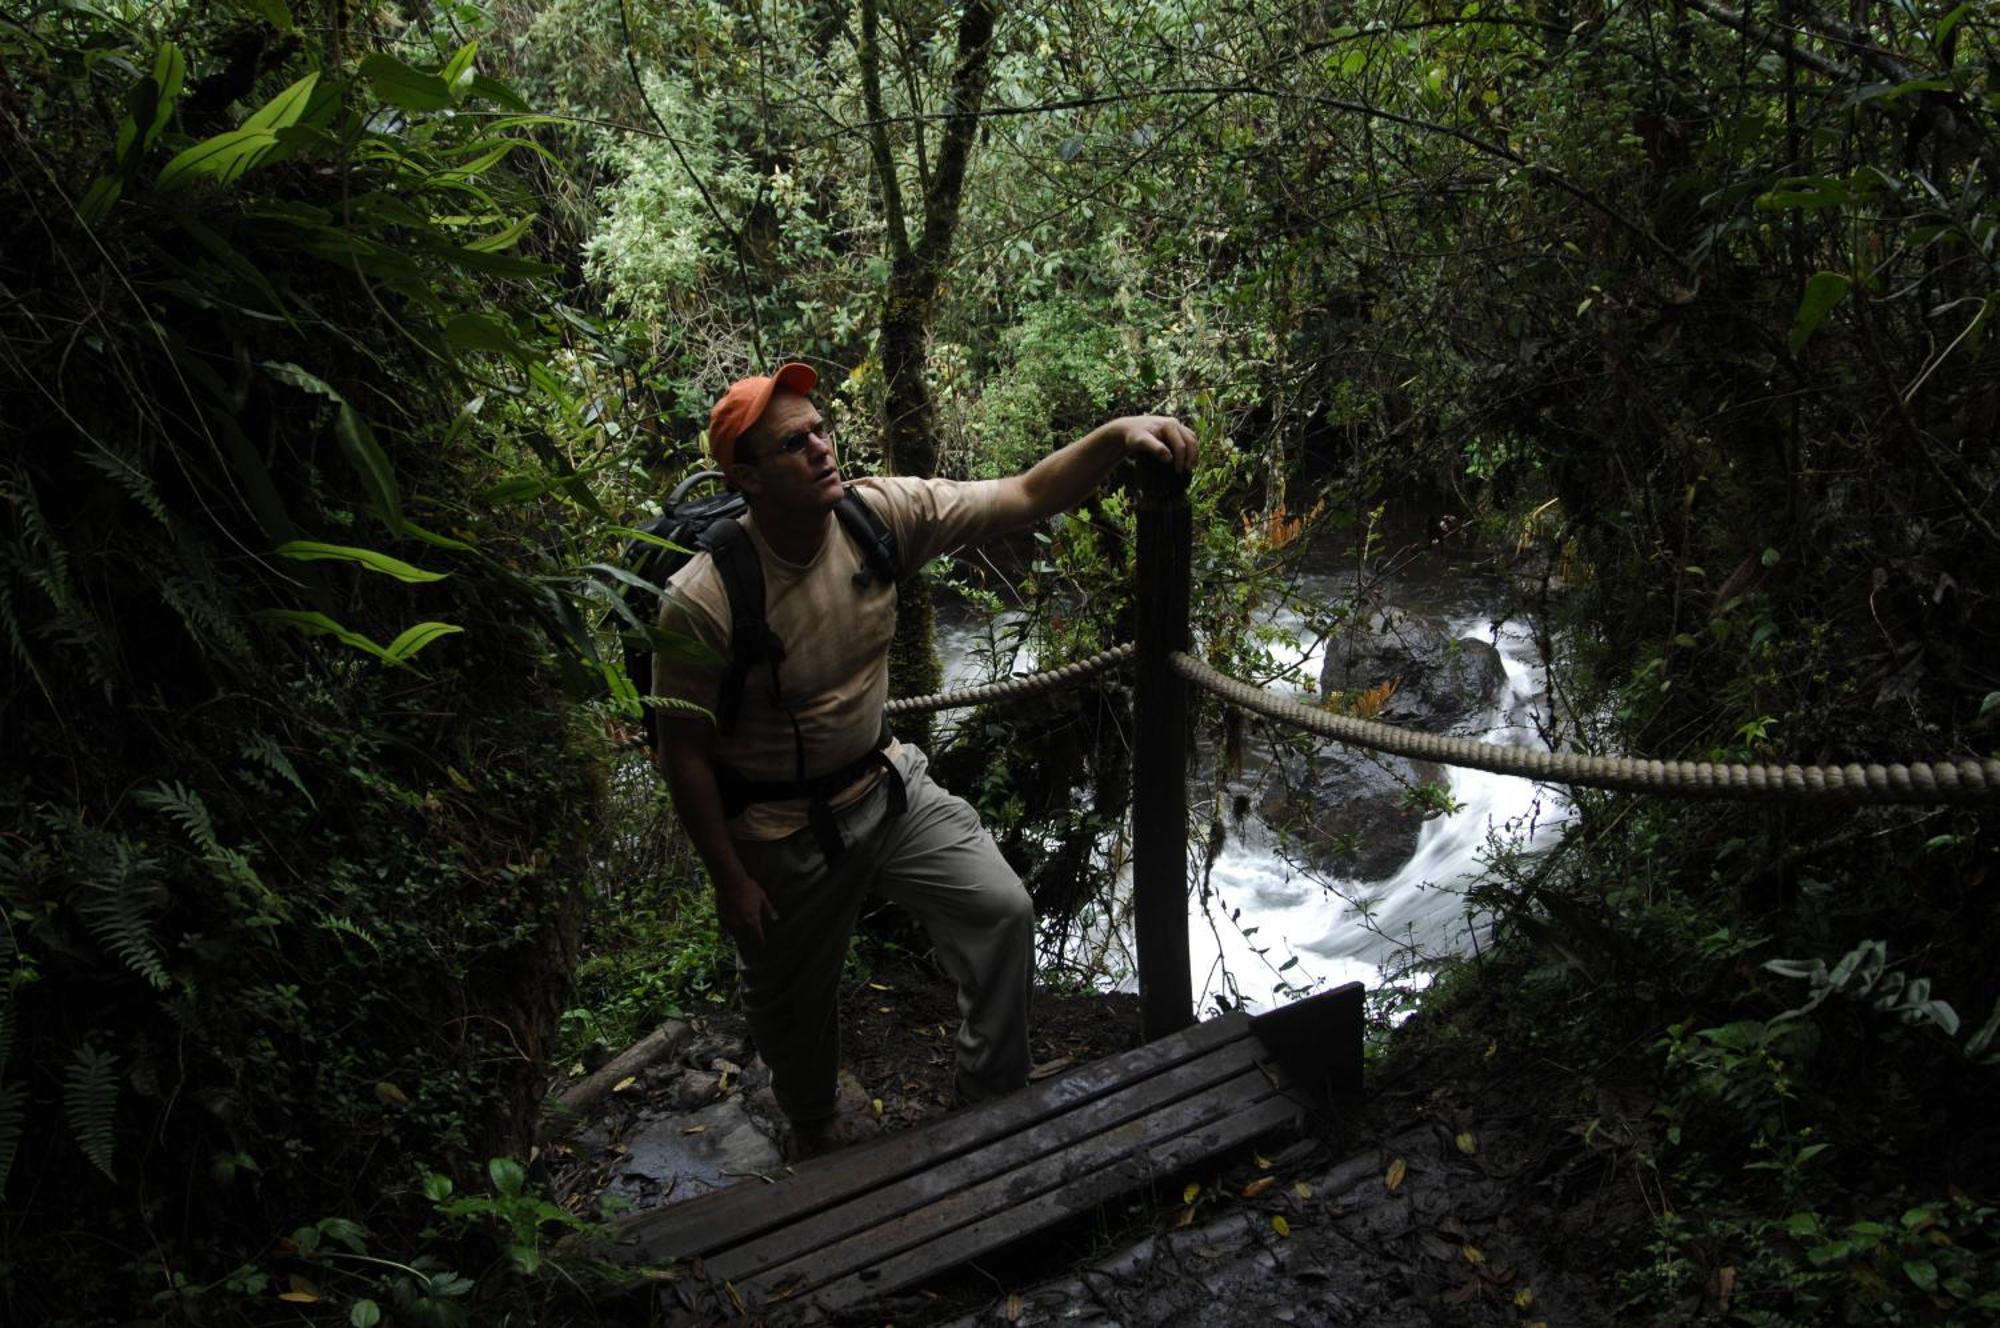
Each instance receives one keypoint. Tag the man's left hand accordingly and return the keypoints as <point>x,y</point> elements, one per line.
<point>1160,436</point>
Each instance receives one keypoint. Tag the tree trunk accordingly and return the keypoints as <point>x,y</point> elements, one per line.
<point>909,422</point>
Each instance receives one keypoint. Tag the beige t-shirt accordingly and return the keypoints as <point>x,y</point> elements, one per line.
<point>835,674</point>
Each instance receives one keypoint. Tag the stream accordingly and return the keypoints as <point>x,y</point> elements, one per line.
<point>1268,928</point>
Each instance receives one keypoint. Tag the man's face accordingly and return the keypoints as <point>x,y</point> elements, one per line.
<point>786,458</point>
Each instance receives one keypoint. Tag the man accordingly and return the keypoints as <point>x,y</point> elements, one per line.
<point>803,806</point>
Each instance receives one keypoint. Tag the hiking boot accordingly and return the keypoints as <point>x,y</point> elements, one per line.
<point>853,1121</point>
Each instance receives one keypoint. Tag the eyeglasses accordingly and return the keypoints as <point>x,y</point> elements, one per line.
<point>793,443</point>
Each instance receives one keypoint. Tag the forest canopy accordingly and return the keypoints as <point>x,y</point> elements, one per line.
<point>347,343</point>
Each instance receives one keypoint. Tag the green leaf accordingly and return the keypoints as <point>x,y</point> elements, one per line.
<point>1891,91</point>
<point>404,87</point>
<point>272,12</point>
<point>223,158</point>
<point>519,488</point>
<point>492,89</point>
<point>313,550</point>
<point>506,1175</point>
<point>435,540</point>
<point>1806,192</point>
<point>413,639</point>
<point>357,440</point>
<point>437,1188</point>
<point>1979,1041</point>
<point>1923,1272</point>
<point>503,239</point>
<point>158,93</point>
<point>499,265</point>
<point>102,195</point>
<point>1950,21</point>
<point>90,1100</point>
<point>1823,291</point>
<point>365,1314</point>
<point>12,1098</point>
<point>457,73</point>
<point>318,624</point>
<point>483,332</point>
<point>284,110</point>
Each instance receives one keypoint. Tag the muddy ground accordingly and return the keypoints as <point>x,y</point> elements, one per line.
<point>1451,1194</point>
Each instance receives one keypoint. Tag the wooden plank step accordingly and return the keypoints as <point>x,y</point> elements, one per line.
<point>729,1216</point>
<point>1002,1155</point>
<point>1013,1203</point>
<point>874,1219</point>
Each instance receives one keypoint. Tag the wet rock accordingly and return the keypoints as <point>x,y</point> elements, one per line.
<point>1350,813</point>
<point>1439,681</point>
<point>671,1156</point>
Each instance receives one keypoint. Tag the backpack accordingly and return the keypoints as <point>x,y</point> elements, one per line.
<point>712,525</point>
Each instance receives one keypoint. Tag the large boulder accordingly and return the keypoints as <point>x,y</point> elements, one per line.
<point>1349,812</point>
<point>1439,681</point>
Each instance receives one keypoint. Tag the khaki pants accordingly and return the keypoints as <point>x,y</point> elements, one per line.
<point>938,861</point>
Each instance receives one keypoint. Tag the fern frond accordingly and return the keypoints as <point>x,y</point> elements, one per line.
<point>266,752</point>
<point>114,906</point>
<point>185,808</point>
<point>12,1097</point>
<point>90,1100</point>
<point>6,1032</point>
<point>127,475</point>
<point>348,927</point>
<point>52,572</point>
<point>17,641</point>
<point>204,613</point>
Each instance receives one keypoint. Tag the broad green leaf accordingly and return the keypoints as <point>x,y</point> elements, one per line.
<point>313,550</point>
<point>242,268</point>
<point>505,238</point>
<point>223,158</point>
<point>318,624</point>
<point>483,332</point>
<point>1806,192</point>
<point>100,198</point>
<point>499,265</point>
<point>1823,291</point>
<point>365,1314</point>
<point>457,73</point>
<point>284,109</point>
<point>431,537</point>
<point>273,12</point>
<point>506,1175</point>
<point>412,639</point>
<point>646,537</point>
<point>492,89</point>
<point>357,440</point>
<point>518,489</point>
<point>404,87</point>
<point>1950,21</point>
<point>1891,91</point>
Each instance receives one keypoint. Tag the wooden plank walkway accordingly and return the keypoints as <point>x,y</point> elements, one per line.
<point>879,1217</point>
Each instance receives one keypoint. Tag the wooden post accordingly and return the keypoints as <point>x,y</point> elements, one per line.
<point>1160,753</point>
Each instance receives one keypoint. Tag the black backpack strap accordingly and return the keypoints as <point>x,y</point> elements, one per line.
<point>879,555</point>
<point>751,641</point>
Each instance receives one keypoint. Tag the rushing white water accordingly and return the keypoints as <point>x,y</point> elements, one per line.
<point>1273,930</point>
<point>1266,928</point>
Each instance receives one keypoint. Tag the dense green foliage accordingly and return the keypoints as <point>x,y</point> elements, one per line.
<point>335,369</point>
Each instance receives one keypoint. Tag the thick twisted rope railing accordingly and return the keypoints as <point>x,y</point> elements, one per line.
<point>1028,684</point>
<point>1936,782</point>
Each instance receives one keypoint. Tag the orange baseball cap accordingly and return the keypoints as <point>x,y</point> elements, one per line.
<point>745,403</point>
